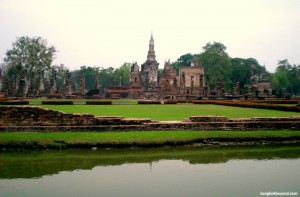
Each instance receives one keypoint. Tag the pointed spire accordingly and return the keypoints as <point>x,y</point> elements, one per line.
<point>151,52</point>
<point>151,42</point>
<point>151,39</point>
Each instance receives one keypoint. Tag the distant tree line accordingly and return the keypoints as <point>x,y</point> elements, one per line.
<point>286,79</point>
<point>107,76</point>
<point>27,70</point>
<point>217,63</point>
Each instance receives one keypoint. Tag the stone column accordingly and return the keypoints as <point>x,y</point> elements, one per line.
<point>82,83</point>
<point>222,89</point>
<point>235,89</point>
<point>53,80</point>
<point>218,87</point>
<point>192,84</point>
<point>41,85</point>
<point>1,80</point>
<point>183,79</point>
<point>201,89</point>
<point>121,80</point>
<point>5,85</point>
<point>68,90</point>
<point>208,85</point>
<point>97,78</point>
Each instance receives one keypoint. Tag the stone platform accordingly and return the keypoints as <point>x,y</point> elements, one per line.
<point>27,118</point>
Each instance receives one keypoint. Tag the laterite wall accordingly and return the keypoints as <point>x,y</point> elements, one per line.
<point>39,119</point>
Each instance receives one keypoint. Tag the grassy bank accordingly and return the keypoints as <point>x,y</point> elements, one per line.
<point>169,112</point>
<point>121,139</point>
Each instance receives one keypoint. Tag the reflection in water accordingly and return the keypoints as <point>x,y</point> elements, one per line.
<point>189,171</point>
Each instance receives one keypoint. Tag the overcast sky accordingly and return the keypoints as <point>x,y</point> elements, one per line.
<point>110,32</point>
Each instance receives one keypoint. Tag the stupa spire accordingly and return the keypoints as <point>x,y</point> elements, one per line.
<point>151,53</point>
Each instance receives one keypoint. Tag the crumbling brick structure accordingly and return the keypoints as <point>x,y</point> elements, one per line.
<point>39,119</point>
<point>147,83</point>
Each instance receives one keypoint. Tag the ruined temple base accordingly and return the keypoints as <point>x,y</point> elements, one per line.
<point>39,119</point>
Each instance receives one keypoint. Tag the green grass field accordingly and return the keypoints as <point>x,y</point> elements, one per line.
<point>169,112</point>
<point>130,109</point>
<point>138,138</point>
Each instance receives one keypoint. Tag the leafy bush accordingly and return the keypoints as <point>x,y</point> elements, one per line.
<point>124,94</point>
<point>205,101</point>
<point>14,98</point>
<point>274,101</point>
<point>170,102</point>
<point>73,97</point>
<point>149,102</point>
<point>97,96</point>
<point>99,102</point>
<point>57,102</point>
<point>184,101</point>
<point>55,96</point>
<point>14,103</point>
<point>250,105</point>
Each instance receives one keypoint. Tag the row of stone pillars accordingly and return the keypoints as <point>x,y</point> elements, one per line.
<point>68,89</point>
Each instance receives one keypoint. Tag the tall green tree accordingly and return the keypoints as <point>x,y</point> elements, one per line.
<point>217,63</point>
<point>186,59</point>
<point>288,77</point>
<point>1,76</point>
<point>241,69</point>
<point>106,76</point>
<point>60,76</point>
<point>89,73</point>
<point>121,75</point>
<point>183,60</point>
<point>28,59</point>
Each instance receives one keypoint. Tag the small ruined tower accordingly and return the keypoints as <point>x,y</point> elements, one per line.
<point>201,84</point>
<point>97,86</point>
<point>82,83</point>
<point>68,90</point>
<point>207,86</point>
<point>135,79</point>
<point>1,79</point>
<point>195,61</point>
<point>53,84</point>
<point>235,88</point>
<point>218,87</point>
<point>149,69</point>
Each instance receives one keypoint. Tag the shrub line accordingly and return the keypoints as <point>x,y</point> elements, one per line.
<point>249,105</point>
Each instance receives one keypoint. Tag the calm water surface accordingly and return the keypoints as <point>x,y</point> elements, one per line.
<point>177,171</point>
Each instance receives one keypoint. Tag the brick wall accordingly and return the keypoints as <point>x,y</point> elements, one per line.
<point>39,119</point>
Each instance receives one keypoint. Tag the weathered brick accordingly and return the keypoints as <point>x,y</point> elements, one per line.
<point>28,118</point>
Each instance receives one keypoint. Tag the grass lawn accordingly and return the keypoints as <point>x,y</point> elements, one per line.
<point>129,108</point>
<point>169,112</point>
<point>69,139</point>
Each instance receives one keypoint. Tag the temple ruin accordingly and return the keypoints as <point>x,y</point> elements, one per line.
<point>145,82</point>
<point>188,83</point>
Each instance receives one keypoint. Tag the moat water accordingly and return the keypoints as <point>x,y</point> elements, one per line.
<point>168,171</point>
